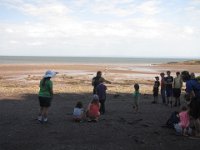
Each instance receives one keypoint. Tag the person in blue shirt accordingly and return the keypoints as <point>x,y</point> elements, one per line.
<point>193,98</point>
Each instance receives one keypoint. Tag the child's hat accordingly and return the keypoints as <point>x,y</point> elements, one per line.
<point>95,97</point>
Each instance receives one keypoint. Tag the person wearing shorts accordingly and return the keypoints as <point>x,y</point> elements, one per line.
<point>168,87</point>
<point>45,95</point>
<point>177,85</point>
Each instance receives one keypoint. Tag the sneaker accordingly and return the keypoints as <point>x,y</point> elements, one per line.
<point>45,120</point>
<point>39,118</point>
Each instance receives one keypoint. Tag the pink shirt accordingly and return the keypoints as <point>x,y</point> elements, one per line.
<point>93,110</point>
<point>184,119</point>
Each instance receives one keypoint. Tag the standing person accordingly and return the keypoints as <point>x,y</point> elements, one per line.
<point>177,85</point>
<point>136,95</point>
<point>162,89</point>
<point>45,95</point>
<point>193,96</point>
<point>168,85</point>
<point>156,90</point>
<point>101,92</point>
<point>95,81</point>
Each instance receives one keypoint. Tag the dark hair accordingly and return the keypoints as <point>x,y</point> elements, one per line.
<point>136,86</point>
<point>79,105</point>
<point>162,73</point>
<point>185,76</point>
<point>168,71</point>
<point>183,108</point>
<point>177,73</point>
<point>98,72</point>
<point>44,81</point>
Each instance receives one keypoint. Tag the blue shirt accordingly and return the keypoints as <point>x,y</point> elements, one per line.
<point>101,91</point>
<point>193,85</point>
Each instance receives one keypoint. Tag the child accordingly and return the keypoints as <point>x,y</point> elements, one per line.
<point>156,90</point>
<point>162,87</point>
<point>184,120</point>
<point>45,95</point>
<point>93,113</point>
<point>136,97</point>
<point>101,92</point>
<point>168,87</point>
<point>78,113</point>
<point>183,126</point>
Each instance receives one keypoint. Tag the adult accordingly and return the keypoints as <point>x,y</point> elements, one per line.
<point>168,85</point>
<point>45,95</point>
<point>96,81</point>
<point>101,92</point>
<point>177,85</point>
<point>162,85</point>
<point>193,97</point>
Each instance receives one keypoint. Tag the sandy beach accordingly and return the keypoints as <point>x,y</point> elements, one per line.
<point>119,129</point>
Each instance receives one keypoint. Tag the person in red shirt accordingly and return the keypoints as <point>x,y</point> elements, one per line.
<point>162,90</point>
<point>93,113</point>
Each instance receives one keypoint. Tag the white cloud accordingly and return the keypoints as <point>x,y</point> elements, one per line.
<point>57,25</point>
<point>149,7</point>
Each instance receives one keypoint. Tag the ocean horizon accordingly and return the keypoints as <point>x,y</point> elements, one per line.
<point>86,60</point>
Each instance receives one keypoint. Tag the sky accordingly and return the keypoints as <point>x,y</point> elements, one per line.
<point>102,28</point>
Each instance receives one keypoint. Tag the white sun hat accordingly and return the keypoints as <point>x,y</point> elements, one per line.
<point>49,74</point>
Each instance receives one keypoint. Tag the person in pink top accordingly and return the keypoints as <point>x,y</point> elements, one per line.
<point>184,120</point>
<point>93,112</point>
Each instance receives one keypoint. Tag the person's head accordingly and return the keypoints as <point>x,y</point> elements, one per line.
<point>136,87</point>
<point>185,76</point>
<point>192,75</point>
<point>162,74</point>
<point>183,108</point>
<point>79,105</point>
<point>99,73</point>
<point>49,74</point>
<point>177,73</point>
<point>157,78</point>
<point>168,73</point>
<point>95,99</point>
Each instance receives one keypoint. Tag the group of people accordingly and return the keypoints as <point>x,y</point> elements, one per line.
<point>169,87</point>
<point>94,109</point>
<point>186,121</point>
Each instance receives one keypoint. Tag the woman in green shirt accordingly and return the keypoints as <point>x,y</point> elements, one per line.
<point>45,95</point>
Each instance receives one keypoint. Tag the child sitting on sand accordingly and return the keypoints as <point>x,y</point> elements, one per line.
<point>183,126</point>
<point>136,95</point>
<point>156,90</point>
<point>93,113</point>
<point>78,113</point>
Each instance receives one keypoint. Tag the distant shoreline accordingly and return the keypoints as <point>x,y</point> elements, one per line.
<point>86,60</point>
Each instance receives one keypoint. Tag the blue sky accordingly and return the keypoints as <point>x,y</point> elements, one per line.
<point>121,28</point>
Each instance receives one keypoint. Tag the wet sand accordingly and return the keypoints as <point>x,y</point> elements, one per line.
<point>119,129</point>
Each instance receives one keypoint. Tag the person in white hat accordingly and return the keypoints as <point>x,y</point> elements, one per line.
<point>45,95</point>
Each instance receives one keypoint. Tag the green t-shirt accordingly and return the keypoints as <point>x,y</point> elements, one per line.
<point>45,90</point>
<point>136,94</point>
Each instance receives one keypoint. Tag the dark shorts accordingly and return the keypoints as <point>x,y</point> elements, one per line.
<point>176,92</point>
<point>169,92</point>
<point>45,101</point>
<point>155,93</point>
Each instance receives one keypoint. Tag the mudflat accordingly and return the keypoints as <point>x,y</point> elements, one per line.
<point>119,129</point>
